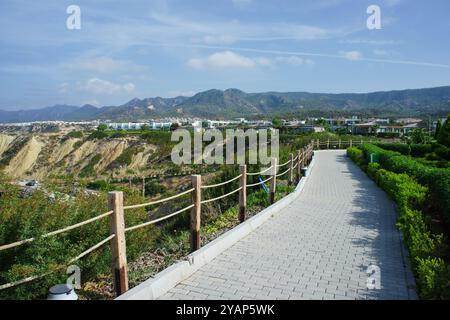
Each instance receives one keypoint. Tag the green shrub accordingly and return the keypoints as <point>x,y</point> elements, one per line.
<point>372,170</point>
<point>98,135</point>
<point>75,134</point>
<point>34,215</point>
<point>433,278</point>
<point>436,179</point>
<point>356,155</point>
<point>88,170</point>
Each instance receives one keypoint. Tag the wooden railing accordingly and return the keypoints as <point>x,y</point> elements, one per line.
<point>116,213</point>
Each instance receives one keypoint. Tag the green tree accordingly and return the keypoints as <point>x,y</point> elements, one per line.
<point>276,123</point>
<point>102,127</point>
<point>438,128</point>
<point>145,127</point>
<point>418,136</point>
<point>444,133</point>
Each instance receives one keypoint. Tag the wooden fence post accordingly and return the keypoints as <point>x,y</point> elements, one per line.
<point>299,165</point>
<point>196,211</point>
<point>351,143</point>
<point>143,187</point>
<point>273,181</point>
<point>318,144</point>
<point>243,193</point>
<point>339,143</point>
<point>328,143</point>
<point>118,244</point>
<point>291,170</point>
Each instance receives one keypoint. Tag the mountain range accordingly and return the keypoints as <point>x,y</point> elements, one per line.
<point>236,103</point>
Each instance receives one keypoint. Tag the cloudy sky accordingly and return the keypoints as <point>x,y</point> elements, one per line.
<point>128,49</point>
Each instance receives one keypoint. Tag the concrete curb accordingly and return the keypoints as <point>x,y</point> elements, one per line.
<point>165,280</point>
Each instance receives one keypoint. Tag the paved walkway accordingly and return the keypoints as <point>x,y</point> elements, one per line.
<point>319,247</point>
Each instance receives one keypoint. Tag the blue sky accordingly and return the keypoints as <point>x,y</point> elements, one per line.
<point>128,49</point>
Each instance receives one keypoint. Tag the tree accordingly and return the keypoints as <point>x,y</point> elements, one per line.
<point>276,123</point>
<point>102,127</point>
<point>418,136</point>
<point>438,128</point>
<point>444,133</point>
<point>145,127</point>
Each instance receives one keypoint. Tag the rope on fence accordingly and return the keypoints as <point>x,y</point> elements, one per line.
<point>282,165</point>
<point>258,173</point>
<point>222,183</point>
<point>159,219</point>
<point>295,166</point>
<point>32,278</point>
<point>283,173</point>
<point>222,196</point>
<point>158,201</point>
<point>19,243</point>
<point>259,183</point>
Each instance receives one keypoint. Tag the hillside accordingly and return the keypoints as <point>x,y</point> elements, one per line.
<point>235,103</point>
<point>38,156</point>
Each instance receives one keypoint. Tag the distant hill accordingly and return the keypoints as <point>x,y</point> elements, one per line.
<point>236,103</point>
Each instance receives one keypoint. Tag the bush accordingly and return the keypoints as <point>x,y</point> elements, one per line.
<point>415,150</point>
<point>356,155</point>
<point>97,135</point>
<point>436,179</point>
<point>75,134</point>
<point>34,215</point>
<point>434,278</point>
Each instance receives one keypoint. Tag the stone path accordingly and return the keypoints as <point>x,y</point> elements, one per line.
<point>319,247</point>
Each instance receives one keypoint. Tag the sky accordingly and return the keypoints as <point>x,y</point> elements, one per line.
<point>148,48</point>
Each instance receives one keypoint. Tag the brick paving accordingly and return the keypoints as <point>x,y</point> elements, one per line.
<point>319,247</point>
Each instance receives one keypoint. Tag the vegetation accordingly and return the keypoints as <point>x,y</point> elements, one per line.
<point>75,134</point>
<point>443,137</point>
<point>410,184</point>
<point>25,216</point>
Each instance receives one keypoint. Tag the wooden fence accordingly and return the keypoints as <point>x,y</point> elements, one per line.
<point>116,213</point>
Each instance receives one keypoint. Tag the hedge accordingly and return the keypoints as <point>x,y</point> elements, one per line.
<point>436,179</point>
<point>415,150</point>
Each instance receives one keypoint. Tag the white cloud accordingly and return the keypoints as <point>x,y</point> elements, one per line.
<point>226,59</point>
<point>351,55</point>
<point>129,87</point>
<point>99,86</point>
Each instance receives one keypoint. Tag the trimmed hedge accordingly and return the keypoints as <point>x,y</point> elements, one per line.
<point>415,150</point>
<point>436,179</point>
